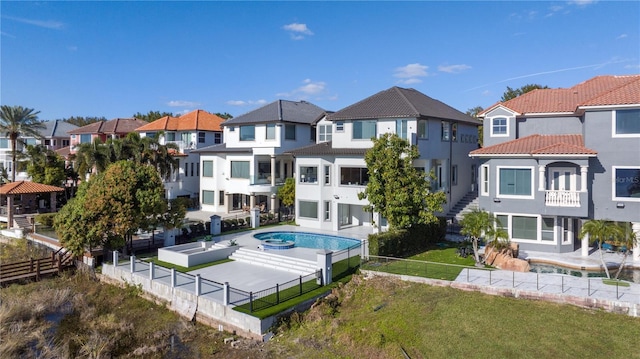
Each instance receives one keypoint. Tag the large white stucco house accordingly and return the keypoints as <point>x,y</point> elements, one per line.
<point>246,171</point>
<point>331,173</point>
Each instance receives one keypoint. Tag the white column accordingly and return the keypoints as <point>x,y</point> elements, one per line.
<point>541,181</point>
<point>335,216</point>
<point>635,226</point>
<point>585,240</point>
<point>273,170</point>
<point>583,178</point>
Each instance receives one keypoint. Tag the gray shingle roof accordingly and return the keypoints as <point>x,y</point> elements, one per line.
<point>117,125</point>
<point>222,148</point>
<point>325,149</point>
<point>398,102</point>
<point>57,128</point>
<point>280,111</point>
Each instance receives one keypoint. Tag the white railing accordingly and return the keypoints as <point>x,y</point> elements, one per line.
<point>562,198</point>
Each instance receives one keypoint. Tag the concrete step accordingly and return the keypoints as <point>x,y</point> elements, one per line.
<point>274,261</point>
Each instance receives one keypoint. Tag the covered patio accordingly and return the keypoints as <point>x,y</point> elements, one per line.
<point>22,198</point>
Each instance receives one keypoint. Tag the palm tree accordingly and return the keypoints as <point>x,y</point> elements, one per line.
<point>599,231</point>
<point>92,155</point>
<point>17,122</point>
<point>475,224</point>
<point>628,240</point>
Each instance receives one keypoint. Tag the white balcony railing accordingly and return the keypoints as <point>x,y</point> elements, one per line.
<point>562,198</point>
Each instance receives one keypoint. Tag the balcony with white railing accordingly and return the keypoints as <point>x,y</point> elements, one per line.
<point>562,198</point>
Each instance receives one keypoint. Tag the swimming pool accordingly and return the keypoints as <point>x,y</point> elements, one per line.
<point>310,240</point>
<point>626,274</point>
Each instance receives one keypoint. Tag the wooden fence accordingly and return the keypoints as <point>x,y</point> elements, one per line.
<point>35,269</point>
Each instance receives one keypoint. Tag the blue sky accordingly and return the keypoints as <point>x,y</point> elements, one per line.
<point>114,59</point>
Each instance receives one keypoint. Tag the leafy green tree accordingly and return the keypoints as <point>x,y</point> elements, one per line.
<point>600,231</point>
<point>513,93</point>
<point>225,115</point>
<point>627,241</point>
<point>397,190</point>
<point>287,193</point>
<point>45,166</point>
<point>17,122</point>
<point>111,207</point>
<point>151,115</point>
<point>476,224</point>
<point>83,121</point>
<point>473,112</point>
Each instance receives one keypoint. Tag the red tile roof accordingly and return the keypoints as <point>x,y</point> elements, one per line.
<point>24,187</point>
<point>115,126</point>
<point>538,145</point>
<point>598,91</point>
<point>198,120</point>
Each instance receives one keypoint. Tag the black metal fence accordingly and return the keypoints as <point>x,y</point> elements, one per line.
<point>284,291</point>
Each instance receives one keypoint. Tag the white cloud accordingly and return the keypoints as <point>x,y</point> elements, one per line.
<point>622,36</point>
<point>411,70</point>
<point>7,35</point>
<point>583,2</point>
<point>181,103</point>
<point>453,69</point>
<point>72,48</point>
<point>634,66</point>
<point>297,31</point>
<point>246,103</point>
<point>48,24</point>
<point>309,88</point>
<point>410,74</point>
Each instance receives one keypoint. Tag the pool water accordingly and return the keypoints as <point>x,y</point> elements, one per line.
<point>310,240</point>
<point>629,275</point>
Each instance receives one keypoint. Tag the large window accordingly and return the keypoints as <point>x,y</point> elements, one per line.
<point>207,168</point>
<point>484,180</point>
<point>499,126</point>
<point>364,130</point>
<point>524,227</point>
<point>548,229</point>
<point>627,123</point>
<point>444,131</point>
<point>354,176</point>
<point>515,182</point>
<point>4,143</point>
<point>626,183</point>
<point>247,133</point>
<point>202,137</point>
<point>308,209</point>
<point>271,131</point>
<point>423,129</point>
<point>308,174</point>
<point>85,138</point>
<point>170,136</point>
<point>217,137</point>
<point>208,197</point>
<point>239,169</point>
<point>289,132</point>
<point>402,129</point>
<point>324,132</point>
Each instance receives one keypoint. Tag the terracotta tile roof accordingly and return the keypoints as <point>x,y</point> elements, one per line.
<point>598,91</point>
<point>538,145</point>
<point>198,120</point>
<point>64,151</point>
<point>117,125</point>
<point>24,187</point>
<point>398,102</point>
<point>175,153</point>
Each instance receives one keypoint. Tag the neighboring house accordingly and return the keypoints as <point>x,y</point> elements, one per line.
<point>116,128</point>
<point>554,158</point>
<point>246,170</point>
<point>54,136</point>
<point>331,173</point>
<point>189,132</point>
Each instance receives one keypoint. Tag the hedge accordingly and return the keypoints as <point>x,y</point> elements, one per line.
<point>398,243</point>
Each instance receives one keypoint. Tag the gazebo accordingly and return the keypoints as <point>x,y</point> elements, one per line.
<point>19,198</point>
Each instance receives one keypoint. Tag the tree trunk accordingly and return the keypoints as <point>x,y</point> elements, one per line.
<point>606,270</point>
<point>624,259</point>
<point>475,250</point>
<point>13,138</point>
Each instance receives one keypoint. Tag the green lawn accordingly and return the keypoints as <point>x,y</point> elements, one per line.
<point>178,268</point>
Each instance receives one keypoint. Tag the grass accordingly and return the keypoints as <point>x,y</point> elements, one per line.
<point>378,317</point>
<point>616,282</point>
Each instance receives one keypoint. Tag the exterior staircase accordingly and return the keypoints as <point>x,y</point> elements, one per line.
<point>22,222</point>
<point>274,261</point>
<point>467,204</point>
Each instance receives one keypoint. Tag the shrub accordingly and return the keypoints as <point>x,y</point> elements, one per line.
<point>240,222</point>
<point>46,219</point>
<point>398,243</point>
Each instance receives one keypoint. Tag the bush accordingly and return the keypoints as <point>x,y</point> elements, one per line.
<point>241,222</point>
<point>46,219</point>
<point>399,243</point>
